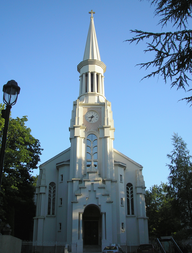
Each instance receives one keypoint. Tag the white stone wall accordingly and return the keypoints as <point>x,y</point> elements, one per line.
<point>10,244</point>
<point>105,192</point>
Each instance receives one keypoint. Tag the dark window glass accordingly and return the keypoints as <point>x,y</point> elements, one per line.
<point>91,150</point>
<point>97,80</point>
<point>130,199</point>
<point>91,82</point>
<point>86,77</point>
<point>51,198</point>
<point>88,164</point>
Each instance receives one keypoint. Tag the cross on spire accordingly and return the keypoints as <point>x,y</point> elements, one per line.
<point>91,12</point>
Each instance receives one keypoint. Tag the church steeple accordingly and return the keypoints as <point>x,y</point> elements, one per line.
<point>91,48</point>
<point>91,69</point>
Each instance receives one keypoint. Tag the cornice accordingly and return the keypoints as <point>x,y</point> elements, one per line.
<point>77,126</point>
<point>123,165</point>
<point>91,62</point>
<point>100,104</point>
<point>91,94</point>
<point>60,164</point>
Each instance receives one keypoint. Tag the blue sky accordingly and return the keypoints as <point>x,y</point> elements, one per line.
<point>43,41</point>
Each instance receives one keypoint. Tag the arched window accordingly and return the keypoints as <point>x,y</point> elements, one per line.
<point>130,200</point>
<point>91,152</point>
<point>51,199</point>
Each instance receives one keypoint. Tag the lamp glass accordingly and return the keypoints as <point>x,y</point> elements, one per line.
<point>10,92</point>
<point>9,98</point>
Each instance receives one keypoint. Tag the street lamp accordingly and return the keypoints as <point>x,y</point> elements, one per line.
<point>10,94</point>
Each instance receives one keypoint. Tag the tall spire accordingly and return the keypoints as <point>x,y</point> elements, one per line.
<point>91,48</point>
<point>91,69</point>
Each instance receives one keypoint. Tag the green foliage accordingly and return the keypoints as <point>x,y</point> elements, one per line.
<point>176,11</point>
<point>169,205</point>
<point>180,180</point>
<point>182,234</point>
<point>173,51</point>
<point>22,155</point>
<point>35,179</point>
<point>162,220</point>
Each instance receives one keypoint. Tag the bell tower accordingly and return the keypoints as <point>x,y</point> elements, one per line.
<point>91,126</point>
<point>91,69</point>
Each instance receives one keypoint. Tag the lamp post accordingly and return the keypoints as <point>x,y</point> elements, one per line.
<point>10,94</point>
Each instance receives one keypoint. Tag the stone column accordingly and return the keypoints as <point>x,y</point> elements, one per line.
<point>103,91</point>
<point>99,83</point>
<point>80,86</point>
<point>81,227</point>
<point>103,226</point>
<point>79,248</point>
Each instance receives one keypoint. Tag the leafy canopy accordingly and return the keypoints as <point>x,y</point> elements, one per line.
<point>173,51</point>
<point>162,220</point>
<point>22,155</point>
<point>180,180</point>
<point>169,206</point>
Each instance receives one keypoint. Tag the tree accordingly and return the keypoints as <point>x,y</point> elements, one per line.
<point>22,155</point>
<point>173,50</point>
<point>162,219</point>
<point>169,206</point>
<point>180,180</point>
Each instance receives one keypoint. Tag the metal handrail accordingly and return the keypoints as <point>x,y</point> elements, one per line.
<point>176,245</point>
<point>161,247</point>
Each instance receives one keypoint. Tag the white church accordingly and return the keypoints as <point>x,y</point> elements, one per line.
<point>90,194</point>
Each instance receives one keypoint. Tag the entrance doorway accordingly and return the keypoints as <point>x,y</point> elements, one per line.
<point>91,232</point>
<point>91,225</point>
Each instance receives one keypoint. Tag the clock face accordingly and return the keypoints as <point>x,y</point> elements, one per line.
<point>91,116</point>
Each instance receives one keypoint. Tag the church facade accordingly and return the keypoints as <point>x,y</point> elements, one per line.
<point>90,194</point>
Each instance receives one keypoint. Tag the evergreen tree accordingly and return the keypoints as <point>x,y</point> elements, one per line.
<point>22,155</point>
<point>173,50</point>
<point>162,218</point>
<point>180,180</point>
<point>169,206</point>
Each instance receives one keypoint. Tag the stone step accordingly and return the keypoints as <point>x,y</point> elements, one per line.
<point>92,249</point>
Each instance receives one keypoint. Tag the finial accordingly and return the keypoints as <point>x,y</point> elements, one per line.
<point>91,12</point>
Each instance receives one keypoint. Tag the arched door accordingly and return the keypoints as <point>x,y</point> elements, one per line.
<point>91,225</point>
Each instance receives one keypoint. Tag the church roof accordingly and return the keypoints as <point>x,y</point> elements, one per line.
<point>127,158</point>
<point>91,48</point>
